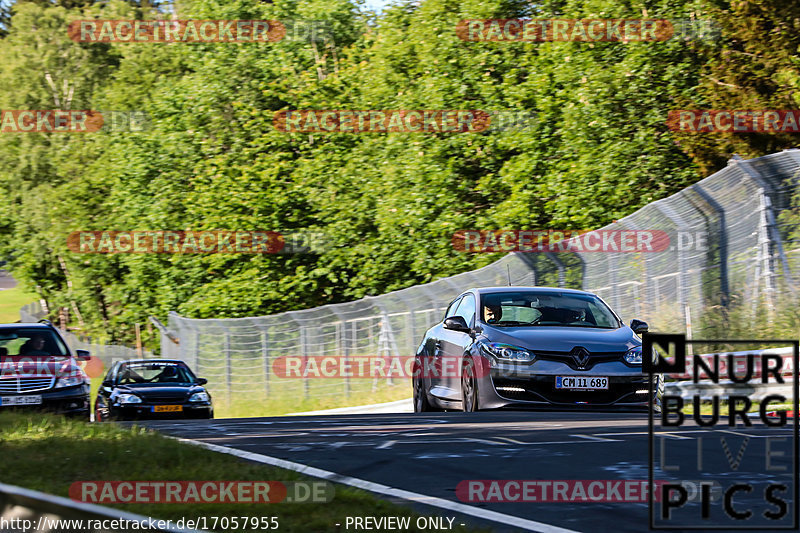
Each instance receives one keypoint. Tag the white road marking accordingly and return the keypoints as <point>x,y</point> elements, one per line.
<point>596,439</point>
<point>385,445</point>
<point>485,514</point>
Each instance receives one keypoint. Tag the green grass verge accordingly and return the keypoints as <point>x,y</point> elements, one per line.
<point>253,405</point>
<point>286,401</point>
<point>48,453</point>
<point>10,302</point>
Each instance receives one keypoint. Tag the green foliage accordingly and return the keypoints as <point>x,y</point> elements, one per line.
<point>387,204</point>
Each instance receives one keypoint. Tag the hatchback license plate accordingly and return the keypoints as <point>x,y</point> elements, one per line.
<point>582,382</point>
<point>7,401</point>
<point>167,408</point>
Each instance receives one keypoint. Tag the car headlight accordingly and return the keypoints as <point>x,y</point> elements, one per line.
<point>508,352</point>
<point>68,381</point>
<point>199,397</point>
<point>128,398</point>
<point>634,356</point>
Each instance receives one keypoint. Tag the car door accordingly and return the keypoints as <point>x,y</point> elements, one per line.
<point>434,370</point>
<point>454,343</point>
<point>102,401</point>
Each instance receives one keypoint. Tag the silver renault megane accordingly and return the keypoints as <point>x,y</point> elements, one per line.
<point>531,347</point>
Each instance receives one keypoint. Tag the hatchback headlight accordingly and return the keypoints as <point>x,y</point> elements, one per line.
<point>634,356</point>
<point>68,381</point>
<point>508,352</point>
<point>128,398</point>
<point>199,397</point>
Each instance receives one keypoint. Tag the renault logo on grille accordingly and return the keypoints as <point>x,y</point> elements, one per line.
<point>580,355</point>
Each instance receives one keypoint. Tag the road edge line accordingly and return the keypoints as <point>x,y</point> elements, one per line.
<point>494,516</point>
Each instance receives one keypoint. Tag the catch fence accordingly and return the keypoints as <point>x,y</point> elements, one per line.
<point>732,238</point>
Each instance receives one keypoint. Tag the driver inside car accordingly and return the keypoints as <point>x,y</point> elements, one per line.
<point>492,313</point>
<point>168,375</point>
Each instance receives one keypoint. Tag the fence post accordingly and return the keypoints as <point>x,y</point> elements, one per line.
<point>764,244</point>
<point>303,350</point>
<point>347,357</point>
<point>226,349</point>
<point>265,358</point>
<point>196,352</point>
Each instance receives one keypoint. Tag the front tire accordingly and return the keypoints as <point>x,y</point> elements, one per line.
<point>421,403</point>
<point>469,387</point>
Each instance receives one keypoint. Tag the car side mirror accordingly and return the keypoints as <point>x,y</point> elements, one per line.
<point>107,383</point>
<point>82,355</point>
<point>201,381</point>
<point>639,326</point>
<point>456,323</point>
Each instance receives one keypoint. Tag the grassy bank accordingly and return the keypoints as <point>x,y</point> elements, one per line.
<point>50,453</point>
<point>11,300</point>
<point>246,405</point>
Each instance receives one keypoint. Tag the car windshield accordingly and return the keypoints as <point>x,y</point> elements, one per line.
<point>143,373</point>
<point>31,342</point>
<point>562,309</point>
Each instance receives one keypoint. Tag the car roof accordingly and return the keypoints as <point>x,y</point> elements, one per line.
<point>490,290</point>
<point>151,361</point>
<point>27,325</point>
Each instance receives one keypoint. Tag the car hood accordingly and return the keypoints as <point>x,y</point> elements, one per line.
<point>39,367</point>
<point>564,339</point>
<point>163,392</point>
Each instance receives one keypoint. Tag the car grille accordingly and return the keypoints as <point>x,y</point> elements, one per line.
<point>147,398</point>
<point>17,385</point>
<point>567,359</point>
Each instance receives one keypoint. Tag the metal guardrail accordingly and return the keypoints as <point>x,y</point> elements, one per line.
<point>44,511</point>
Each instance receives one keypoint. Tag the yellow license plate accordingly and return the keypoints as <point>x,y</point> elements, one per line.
<point>167,408</point>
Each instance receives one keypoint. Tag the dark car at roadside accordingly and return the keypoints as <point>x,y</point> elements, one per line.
<point>152,388</point>
<point>38,370</point>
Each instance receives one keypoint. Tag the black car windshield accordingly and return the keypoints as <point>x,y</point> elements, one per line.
<point>31,342</point>
<point>532,308</point>
<point>154,373</point>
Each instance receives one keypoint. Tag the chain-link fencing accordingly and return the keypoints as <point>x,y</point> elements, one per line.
<point>732,238</point>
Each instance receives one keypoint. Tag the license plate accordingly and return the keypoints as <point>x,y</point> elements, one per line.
<point>7,401</point>
<point>167,408</point>
<point>582,382</point>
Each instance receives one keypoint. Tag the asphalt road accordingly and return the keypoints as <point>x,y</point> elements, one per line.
<point>6,281</point>
<point>431,454</point>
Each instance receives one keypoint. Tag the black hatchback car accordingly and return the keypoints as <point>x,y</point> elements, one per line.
<point>152,388</point>
<point>531,347</point>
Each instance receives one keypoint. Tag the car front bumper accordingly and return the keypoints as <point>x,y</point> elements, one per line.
<point>73,401</point>
<point>145,410</point>
<point>534,386</point>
